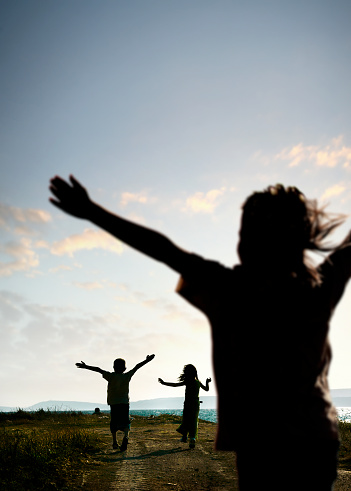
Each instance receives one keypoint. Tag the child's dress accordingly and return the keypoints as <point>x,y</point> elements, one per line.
<point>190,410</point>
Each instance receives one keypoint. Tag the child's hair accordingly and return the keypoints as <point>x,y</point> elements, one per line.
<point>119,365</point>
<point>189,373</point>
<point>278,225</point>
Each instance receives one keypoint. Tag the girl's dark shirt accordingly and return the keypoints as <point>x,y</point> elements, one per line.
<point>271,352</point>
<point>192,389</point>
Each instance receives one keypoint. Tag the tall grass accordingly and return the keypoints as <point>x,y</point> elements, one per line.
<point>345,445</point>
<point>46,457</point>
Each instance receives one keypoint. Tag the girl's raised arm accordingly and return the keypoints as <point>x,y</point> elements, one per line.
<point>171,384</point>
<point>207,386</point>
<point>72,198</point>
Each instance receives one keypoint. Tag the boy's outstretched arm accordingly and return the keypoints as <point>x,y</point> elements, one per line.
<point>142,363</point>
<point>88,367</point>
<point>72,198</point>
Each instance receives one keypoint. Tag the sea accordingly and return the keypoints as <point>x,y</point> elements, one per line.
<point>344,413</point>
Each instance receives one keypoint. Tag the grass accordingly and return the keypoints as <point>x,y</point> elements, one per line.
<point>345,447</point>
<point>49,450</point>
<point>45,450</point>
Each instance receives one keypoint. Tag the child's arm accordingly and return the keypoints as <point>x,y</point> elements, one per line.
<point>73,199</point>
<point>88,367</point>
<point>171,384</point>
<point>142,363</point>
<point>207,386</point>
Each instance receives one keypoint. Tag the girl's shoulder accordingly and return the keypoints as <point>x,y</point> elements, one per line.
<point>199,266</point>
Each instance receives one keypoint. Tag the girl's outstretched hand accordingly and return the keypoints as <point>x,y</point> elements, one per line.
<point>70,197</point>
<point>81,365</point>
<point>160,380</point>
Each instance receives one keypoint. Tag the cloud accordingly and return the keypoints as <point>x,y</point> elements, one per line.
<point>61,267</point>
<point>204,202</point>
<point>141,197</point>
<point>331,155</point>
<point>335,190</point>
<point>9,214</point>
<point>9,310</point>
<point>24,257</point>
<point>91,285</point>
<point>89,239</point>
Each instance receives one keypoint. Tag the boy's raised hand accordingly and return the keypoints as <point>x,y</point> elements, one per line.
<point>81,365</point>
<point>70,197</point>
<point>150,357</point>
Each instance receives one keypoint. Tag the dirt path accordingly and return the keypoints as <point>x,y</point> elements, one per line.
<point>156,460</point>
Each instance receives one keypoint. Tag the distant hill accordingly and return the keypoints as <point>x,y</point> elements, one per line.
<point>60,406</point>
<point>209,402</point>
<point>340,397</point>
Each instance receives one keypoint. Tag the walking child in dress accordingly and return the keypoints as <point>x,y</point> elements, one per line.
<point>269,318</point>
<point>118,396</point>
<point>191,407</point>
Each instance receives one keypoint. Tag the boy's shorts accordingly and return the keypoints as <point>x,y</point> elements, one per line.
<point>119,417</point>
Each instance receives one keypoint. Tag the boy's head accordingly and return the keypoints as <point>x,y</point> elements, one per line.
<point>119,365</point>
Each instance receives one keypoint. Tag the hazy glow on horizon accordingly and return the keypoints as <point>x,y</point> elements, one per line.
<point>170,113</point>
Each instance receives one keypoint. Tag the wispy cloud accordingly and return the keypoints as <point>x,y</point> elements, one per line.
<point>24,258</point>
<point>335,190</point>
<point>141,197</point>
<point>21,217</point>
<point>61,267</point>
<point>89,239</point>
<point>91,285</point>
<point>94,285</point>
<point>330,155</point>
<point>201,202</point>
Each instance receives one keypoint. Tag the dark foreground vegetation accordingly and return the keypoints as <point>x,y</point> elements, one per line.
<point>45,450</point>
<point>345,447</point>
<point>49,450</point>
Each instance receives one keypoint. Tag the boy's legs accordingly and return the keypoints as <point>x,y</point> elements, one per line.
<point>120,422</point>
<point>125,439</point>
<point>114,439</point>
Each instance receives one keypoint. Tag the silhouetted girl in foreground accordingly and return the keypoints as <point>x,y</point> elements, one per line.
<point>191,403</point>
<point>269,318</point>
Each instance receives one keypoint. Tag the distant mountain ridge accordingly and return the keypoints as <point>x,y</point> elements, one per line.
<point>340,397</point>
<point>209,402</point>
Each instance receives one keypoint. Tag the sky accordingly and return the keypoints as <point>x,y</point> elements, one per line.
<point>170,113</point>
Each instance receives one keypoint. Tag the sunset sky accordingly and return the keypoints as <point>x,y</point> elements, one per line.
<point>170,112</point>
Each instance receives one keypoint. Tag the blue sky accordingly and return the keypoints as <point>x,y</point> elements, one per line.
<point>171,113</point>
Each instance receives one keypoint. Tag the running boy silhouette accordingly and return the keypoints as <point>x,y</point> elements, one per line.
<point>269,319</point>
<point>118,396</point>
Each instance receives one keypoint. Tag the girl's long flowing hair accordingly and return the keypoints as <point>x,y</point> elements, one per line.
<point>188,374</point>
<point>278,226</point>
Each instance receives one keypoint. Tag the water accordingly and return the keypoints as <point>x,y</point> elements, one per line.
<point>206,414</point>
<point>344,413</point>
